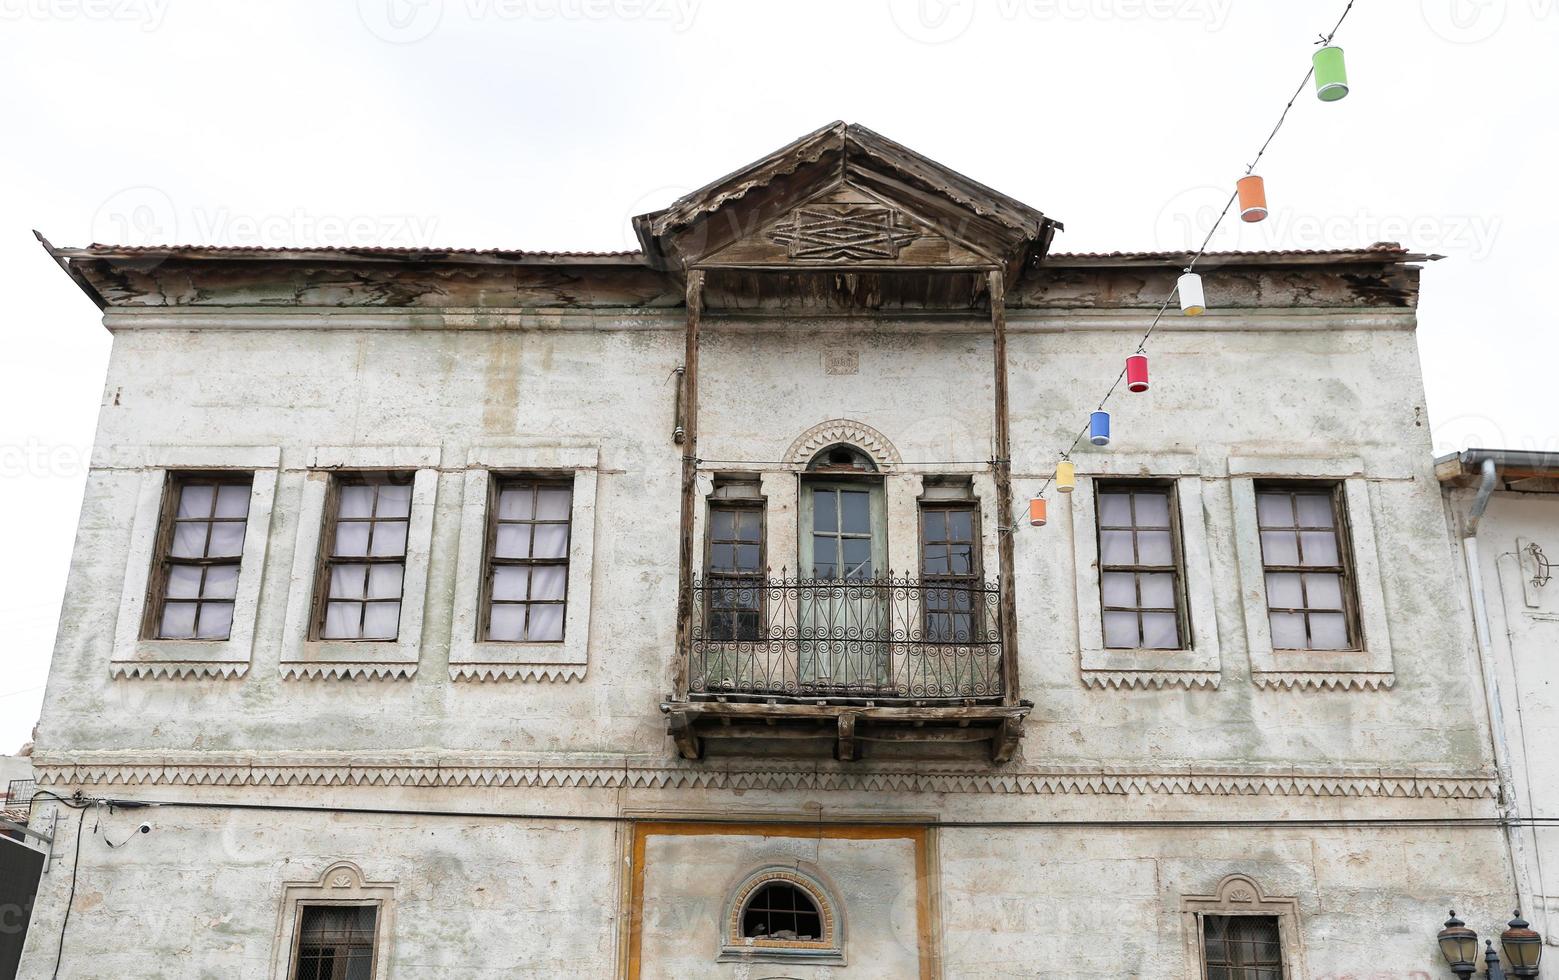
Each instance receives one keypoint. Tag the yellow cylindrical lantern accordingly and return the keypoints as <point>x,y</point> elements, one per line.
<point>1066,476</point>
<point>1037,512</point>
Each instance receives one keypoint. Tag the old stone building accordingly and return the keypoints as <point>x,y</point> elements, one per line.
<point>673,614</point>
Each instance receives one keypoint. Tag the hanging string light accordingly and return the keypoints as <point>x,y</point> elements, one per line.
<point>1331,78</point>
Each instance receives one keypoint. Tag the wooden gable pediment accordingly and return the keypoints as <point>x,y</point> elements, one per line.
<point>845,197</point>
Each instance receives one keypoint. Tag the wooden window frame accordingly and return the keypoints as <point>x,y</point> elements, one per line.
<point>1182,610</point>
<point>294,963</point>
<point>327,544</point>
<point>1345,570</point>
<point>759,577</point>
<point>974,580</point>
<point>497,483</point>
<point>174,484</point>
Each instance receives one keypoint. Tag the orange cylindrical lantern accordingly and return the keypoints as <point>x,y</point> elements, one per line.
<point>1137,372</point>
<point>1253,198</point>
<point>1037,512</point>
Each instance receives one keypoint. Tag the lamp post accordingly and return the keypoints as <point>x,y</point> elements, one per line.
<point>1522,945</point>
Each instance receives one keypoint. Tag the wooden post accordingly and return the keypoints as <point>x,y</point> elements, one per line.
<point>1003,466</point>
<point>695,311</point>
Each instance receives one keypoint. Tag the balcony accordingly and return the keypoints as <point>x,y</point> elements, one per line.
<point>881,661</point>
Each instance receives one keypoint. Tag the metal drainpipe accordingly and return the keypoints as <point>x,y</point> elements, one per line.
<point>1514,845</point>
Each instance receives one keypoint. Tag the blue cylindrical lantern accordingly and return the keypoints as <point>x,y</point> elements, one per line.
<point>1099,428</point>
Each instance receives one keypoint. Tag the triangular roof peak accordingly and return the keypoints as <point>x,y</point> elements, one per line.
<point>844,196</point>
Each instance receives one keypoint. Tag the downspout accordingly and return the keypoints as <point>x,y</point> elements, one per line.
<point>1501,743</point>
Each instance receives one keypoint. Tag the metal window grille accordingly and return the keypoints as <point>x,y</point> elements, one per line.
<point>335,942</point>
<point>1242,947</point>
<point>782,911</point>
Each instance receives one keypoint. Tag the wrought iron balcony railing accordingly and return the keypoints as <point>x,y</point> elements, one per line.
<point>877,639</point>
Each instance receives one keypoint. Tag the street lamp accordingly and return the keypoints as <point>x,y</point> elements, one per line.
<point>1459,946</point>
<point>1522,945</point>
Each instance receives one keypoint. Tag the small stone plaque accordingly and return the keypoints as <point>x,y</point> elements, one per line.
<point>841,362</point>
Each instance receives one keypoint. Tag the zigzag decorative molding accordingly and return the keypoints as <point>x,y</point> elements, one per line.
<point>1158,679</point>
<point>835,431</point>
<point>354,672</point>
<point>1294,680</point>
<point>482,673</point>
<point>1059,781</point>
<point>175,670</point>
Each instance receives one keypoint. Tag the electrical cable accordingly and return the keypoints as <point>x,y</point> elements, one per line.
<point>75,868</point>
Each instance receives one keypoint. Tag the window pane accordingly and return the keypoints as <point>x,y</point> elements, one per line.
<point>352,538</point>
<point>342,620</point>
<point>1120,630</point>
<point>857,511</point>
<point>747,557</point>
<point>1324,591</point>
<point>823,516</point>
<point>824,557</point>
<point>1288,631</point>
<point>934,559</point>
<point>1328,631</point>
<point>749,526</point>
<point>552,503</point>
<point>960,525</point>
<point>960,559</point>
<point>507,623</point>
<point>1275,509</point>
<point>1315,509</point>
<point>1115,548</point>
<point>1320,547</point>
<point>515,504</point>
<point>1153,548</point>
<point>1119,589</point>
<point>857,557</point>
<point>382,620</point>
<point>216,620</point>
<point>227,540</point>
<point>183,582</point>
<point>178,621</point>
<point>221,581</point>
<point>546,623</point>
<point>1115,509</point>
<point>721,524</point>
<point>347,581</point>
<point>1159,631</point>
<point>1152,509</point>
<point>551,541</point>
<point>513,541</point>
<point>384,581</point>
<point>1158,591</point>
<point>548,582</point>
<point>934,524</point>
<point>233,501</point>
<point>189,540</point>
<point>510,582</point>
<point>1283,590</point>
<point>356,500</point>
<point>394,500</point>
<point>195,501</point>
<point>1279,548</point>
<point>389,540</point>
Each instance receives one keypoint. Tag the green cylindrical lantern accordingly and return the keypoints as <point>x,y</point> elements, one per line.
<point>1331,75</point>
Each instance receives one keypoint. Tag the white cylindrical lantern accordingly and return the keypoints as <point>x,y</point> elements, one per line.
<point>1192,301</point>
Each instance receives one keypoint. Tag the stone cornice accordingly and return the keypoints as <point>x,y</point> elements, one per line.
<point>104,770</point>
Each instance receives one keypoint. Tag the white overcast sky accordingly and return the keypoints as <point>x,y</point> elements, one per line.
<point>546,124</point>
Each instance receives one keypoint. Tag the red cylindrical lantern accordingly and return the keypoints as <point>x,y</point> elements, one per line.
<point>1037,512</point>
<point>1253,198</point>
<point>1137,372</point>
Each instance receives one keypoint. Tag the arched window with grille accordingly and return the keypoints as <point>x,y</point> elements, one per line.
<point>783,915</point>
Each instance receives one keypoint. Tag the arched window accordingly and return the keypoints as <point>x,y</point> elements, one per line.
<point>782,914</point>
<point>841,458</point>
